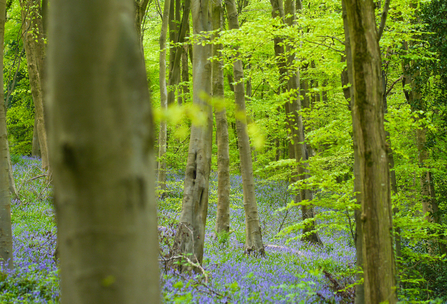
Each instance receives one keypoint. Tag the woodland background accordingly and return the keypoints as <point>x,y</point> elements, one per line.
<point>266,43</point>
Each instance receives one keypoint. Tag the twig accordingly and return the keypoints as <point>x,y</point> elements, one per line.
<point>350,224</point>
<point>392,85</point>
<point>332,37</point>
<point>329,47</point>
<point>283,220</point>
<point>36,177</point>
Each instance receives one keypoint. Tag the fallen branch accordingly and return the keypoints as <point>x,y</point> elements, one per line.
<point>36,177</point>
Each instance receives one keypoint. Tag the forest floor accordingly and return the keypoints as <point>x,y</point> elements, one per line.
<point>291,271</point>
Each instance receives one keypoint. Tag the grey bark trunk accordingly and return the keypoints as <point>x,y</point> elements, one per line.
<point>253,235</point>
<point>101,133</point>
<point>190,236</point>
<point>5,198</point>
<point>34,49</point>
<point>223,149</point>
<point>163,134</point>
<point>371,152</point>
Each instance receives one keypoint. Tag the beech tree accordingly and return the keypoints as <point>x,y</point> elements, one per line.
<point>223,149</point>
<point>5,198</point>
<point>190,236</point>
<point>371,154</point>
<point>163,133</point>
<point>253,235</point>
<point>33,38</point>
<point>101,138</point>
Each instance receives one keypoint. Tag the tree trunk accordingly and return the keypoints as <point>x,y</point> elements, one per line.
<point>347,78</point>
<point>35,145</point>
<point>303,152</point>
<point>163,134</point>
<point>32,30</point>
<point>191,233</point>
<point>12,183</point>
<point>6,253</point>
<point>253,236</point>
<point>140,11</point>
<point>371,152</point>
<point>101,136</point>
<point>177,34</point>
<point>428,195</point>
<point>223,148</point>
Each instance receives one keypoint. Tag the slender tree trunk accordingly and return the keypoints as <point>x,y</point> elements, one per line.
<point>185,69</point>
<point>5,198</point>
<point>35,145</point>
<point>428,195</point>
<point>34,48</point>
<point>223,148</point>
<point>190,236</point>
<point>177,34</point>
<point>303,152</point>
<point>253,236</point>
<point>12,184</point>
<point>163,135</point>
<point>371,152</point>
<point>140,10</point>
<point>102,154</point>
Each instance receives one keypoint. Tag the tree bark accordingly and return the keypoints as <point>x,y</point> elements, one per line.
<point>32,30</point>
<point>223,148</point>
<point>12,183</point>
<point>371,153</point>
<point>163,134</point>
<point>6,253</point>
<point>347,78</point>
<point>101,133</point>
<point>35,151</point>
<point>140,11</point>
<point>253,236</point>
<point>190,236</point>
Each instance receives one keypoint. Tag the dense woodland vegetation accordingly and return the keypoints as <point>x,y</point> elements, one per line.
<point>290,151</point>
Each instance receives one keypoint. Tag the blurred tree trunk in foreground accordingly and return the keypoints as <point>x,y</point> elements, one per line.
<point>370,150</point>
<point>5,198</point>
<point>101,138</point>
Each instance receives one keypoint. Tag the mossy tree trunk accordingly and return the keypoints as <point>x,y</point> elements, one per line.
<point>347,79</point>
<point>371,152</point>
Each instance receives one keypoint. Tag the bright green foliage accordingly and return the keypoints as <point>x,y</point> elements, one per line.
<point>20,107</point>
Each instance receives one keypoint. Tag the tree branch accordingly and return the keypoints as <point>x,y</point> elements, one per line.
<point>392,85</point>
<point>386,7</point>
<point>329,47</point>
